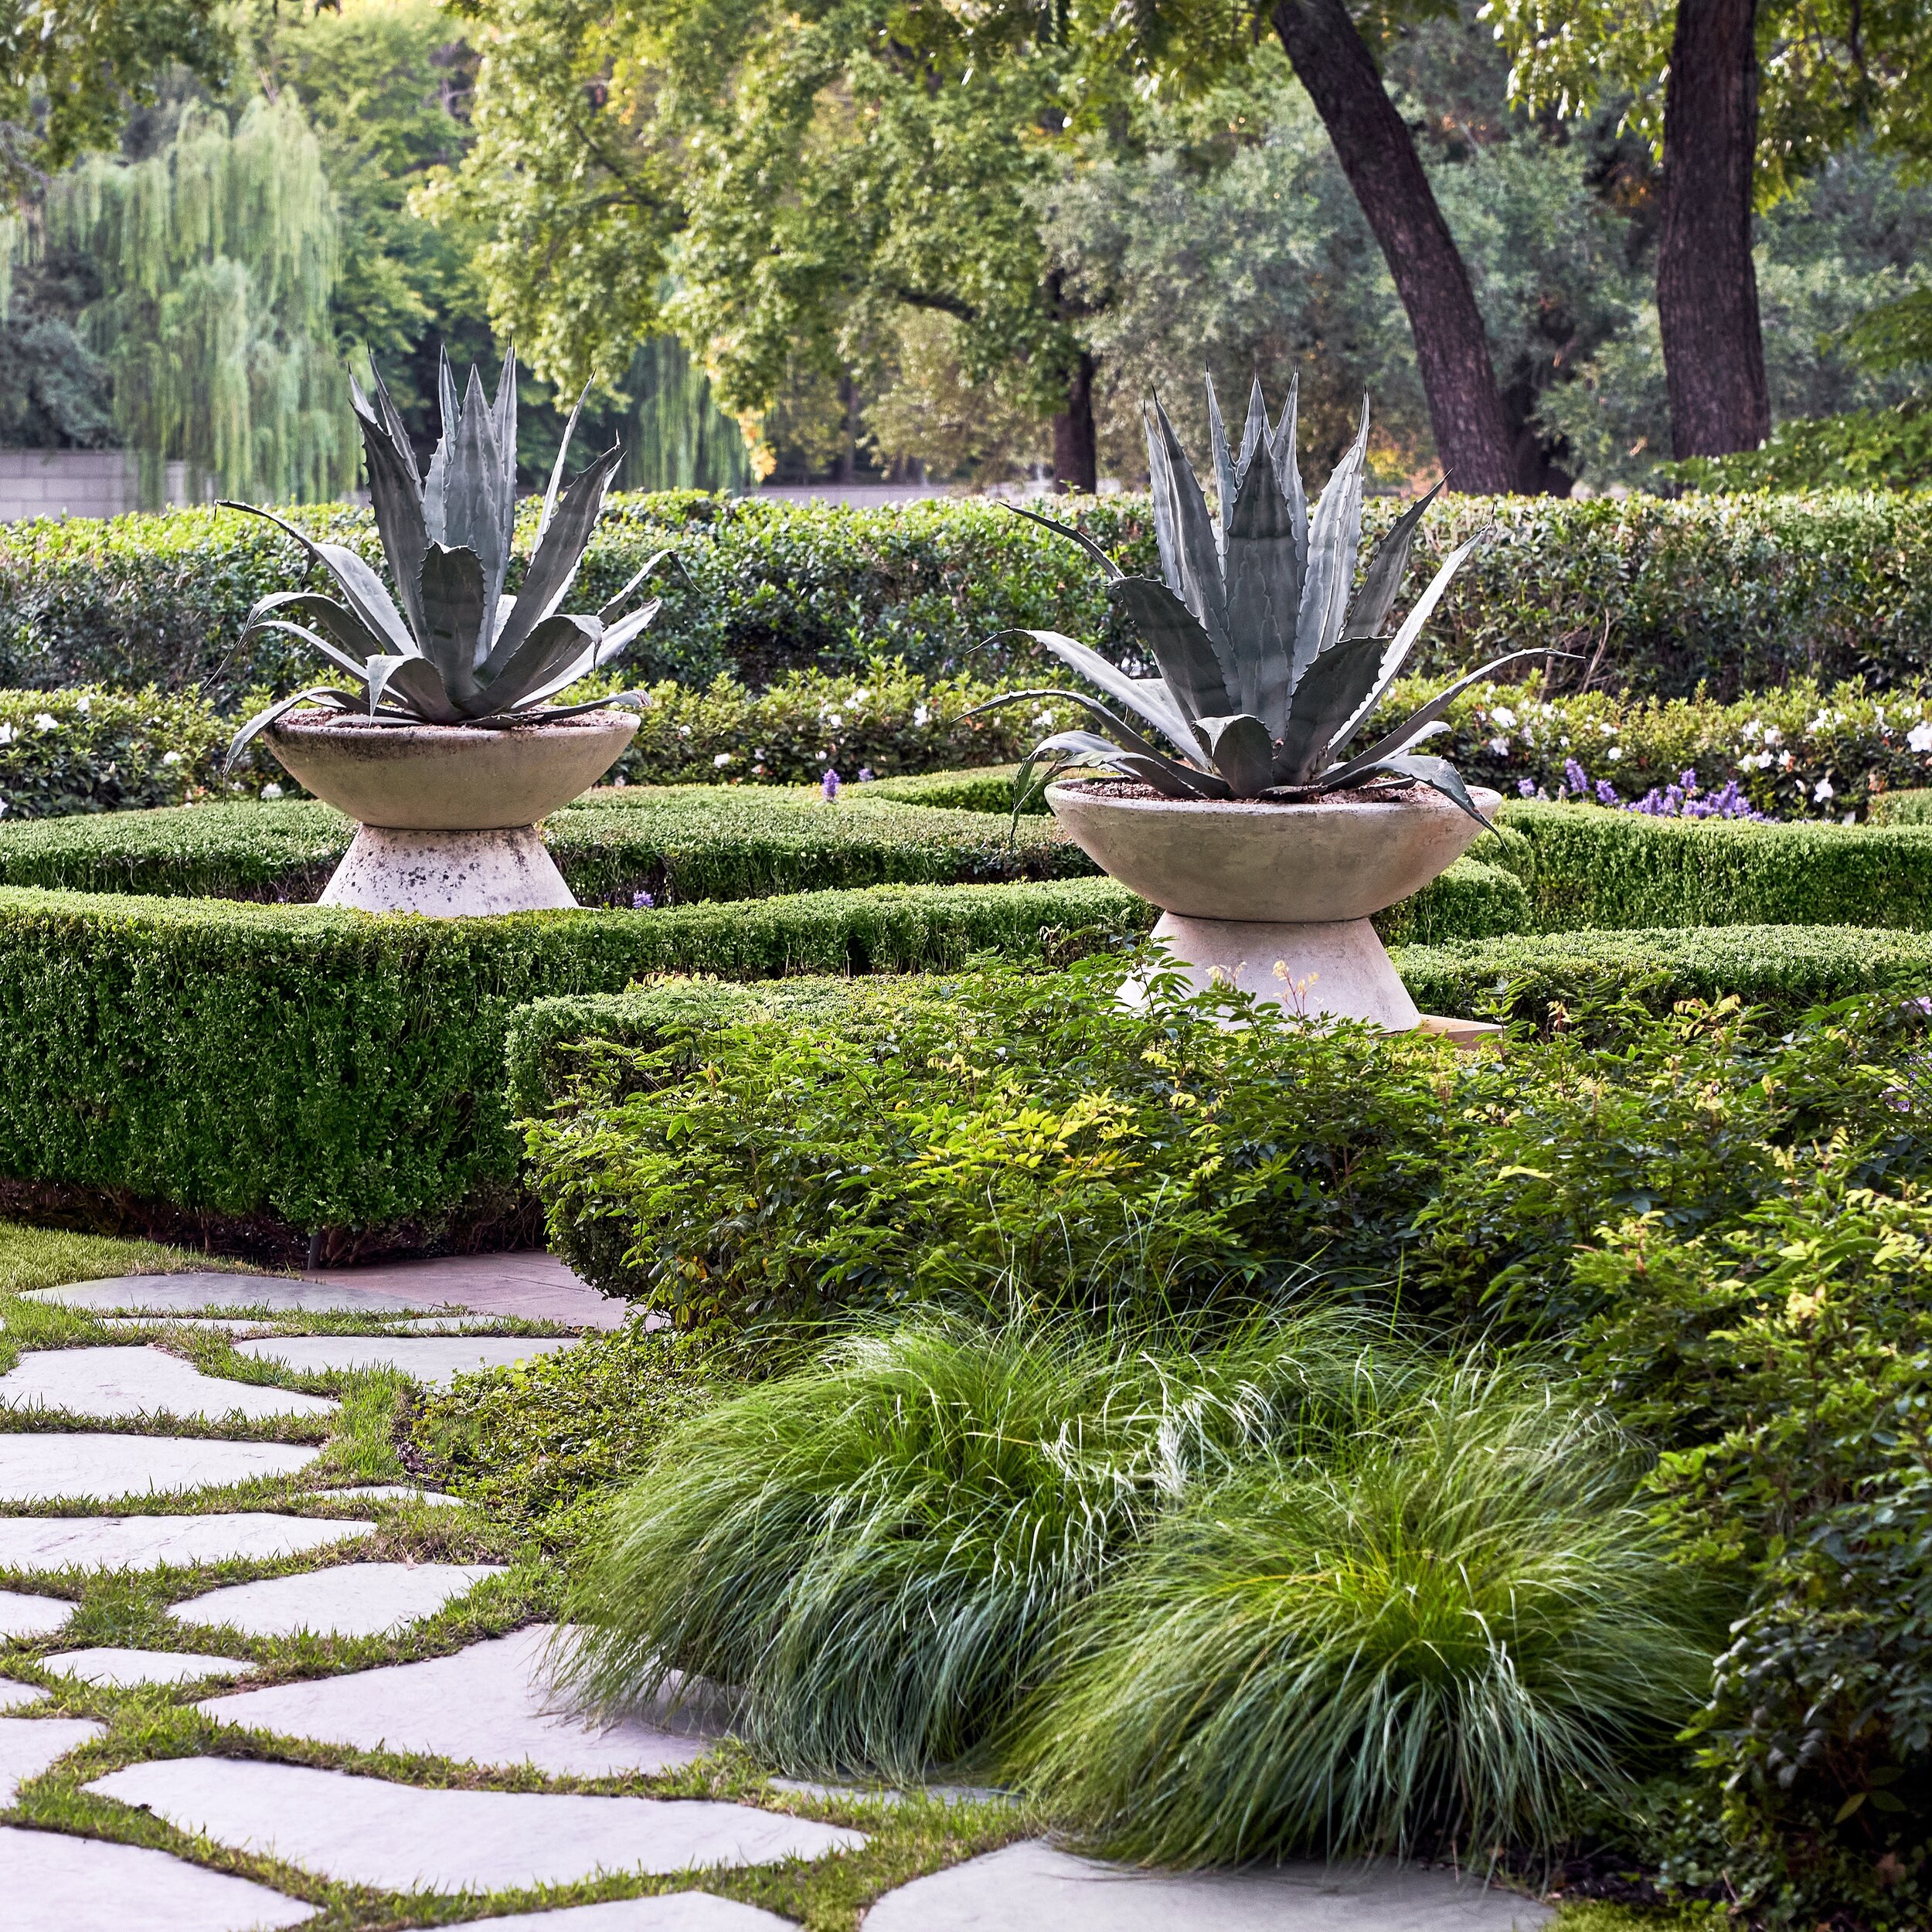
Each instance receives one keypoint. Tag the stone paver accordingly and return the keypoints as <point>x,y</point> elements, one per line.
<point>112,1384</point>
<point>37,1468</point>
<point>532,1286</point>
<point>19,1697</point>
<point>1033,1884</point>
<point>22,1615</point>
<point>363,1831</point>
<point>673,1912</point>
<point>195,1294</point>
<point>120,1668</point>
<point>144,1542</point>
<point>59,1884</point>
<point>397,1492</point>
<point>488,1705</point>
<point>352,1599</point>
<point>29,1745</point>
<point>433,1361</point>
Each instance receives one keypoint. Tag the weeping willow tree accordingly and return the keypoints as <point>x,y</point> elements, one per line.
<point>217,255</point>
<point>677,438</point>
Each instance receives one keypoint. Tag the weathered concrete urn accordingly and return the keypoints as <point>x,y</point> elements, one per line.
<point>1266,848</point>
<point>450,750</point>
<point>1276,900</point>
<point>448,816</point>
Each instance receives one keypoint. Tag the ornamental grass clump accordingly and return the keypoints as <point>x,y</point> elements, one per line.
<point>880,1551</point>
<point>1440,1635</point>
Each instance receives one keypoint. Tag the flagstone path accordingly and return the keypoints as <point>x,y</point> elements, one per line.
<point>189,1498</point>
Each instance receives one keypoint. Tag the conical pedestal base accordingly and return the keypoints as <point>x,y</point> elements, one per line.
<point>448,874</point>
<point>1338,970</point>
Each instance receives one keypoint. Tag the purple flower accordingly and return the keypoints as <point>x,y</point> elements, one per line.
<point>1607,793</point>
<point>1576,778</point>
<point>641,902</point>
<point>865,774</point>
<point>1688,780</point>
<point>829,784</point>
<point>1526,787</point>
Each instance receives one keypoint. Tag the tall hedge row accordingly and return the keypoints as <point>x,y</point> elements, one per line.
<point>1655,596</point>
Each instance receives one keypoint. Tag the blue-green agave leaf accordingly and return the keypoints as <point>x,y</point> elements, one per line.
<point>1225,485</point>
<point>1242,752</point>
<point>1284,453</point>
<point>421,684</point>
<point>1396,654</point>
<point>476,514</point>
<point>1190,666</point>
<point>503,422</point>
<point>367,595</point>
<point>1196,575</point>
<point>1327,696</point>
<point>395,494</point>
<point>616,636</point>
<point>1080,537</point>
<point>554,566</point>
<point>1438,773</point>
<point>326,695</point>
<point>1382,584</point>
<point>1334,536</point>
<point>1148,698</point>
<point>1407,732</point>
<point>356,667</point>
<point>1170,779</point>
<point>1264,595</point>
<point>1254,431</point>
<point>346,640</point>
<point>455,608</point>
<point>608,613</point>
<point>556,468</point>
<point>1123,732</point>
<point>542,664</point>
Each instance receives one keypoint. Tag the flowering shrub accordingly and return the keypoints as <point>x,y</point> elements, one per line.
<point>1802,751</point>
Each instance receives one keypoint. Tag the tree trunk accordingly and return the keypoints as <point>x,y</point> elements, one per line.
<point>1707,280</point>
<point>1474,439</point>
<point>1075,450</point>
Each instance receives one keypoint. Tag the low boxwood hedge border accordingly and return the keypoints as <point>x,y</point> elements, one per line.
<point>1786,969</point>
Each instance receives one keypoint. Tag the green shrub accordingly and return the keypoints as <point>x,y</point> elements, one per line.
<point>1742,594</point>
<point>1888,449</point>
<point>1798,750</point>
<point>1907,808</point>
<point>1584,866</point>
<point>1440,1633</point>
<point>326,1068</point>
<point>977,788</point>
<point>1783,968</point>
<point>1003,1136</point>
<point>880,1551</point>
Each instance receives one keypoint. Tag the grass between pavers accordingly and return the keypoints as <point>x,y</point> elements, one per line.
<point>362,1442</point>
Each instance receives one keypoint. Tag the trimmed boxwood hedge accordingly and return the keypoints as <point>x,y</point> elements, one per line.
<point>1584,866</point>
<point>1787,968</point>
<point>1738,593</point>
<point>679,844</point>
<point>319,1068</point>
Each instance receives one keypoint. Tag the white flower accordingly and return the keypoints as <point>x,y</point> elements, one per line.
<point>1504,716</point>
<point>1500,747</point>
<point>1920,737</point>
<point>833,719</point>
<point>271,790</point>
<point>83,704</point>
<point>1818,723</point>
<point>1755,761</point>
<point>1608,730</point>
<point>1563,743</point>
<point>860,695</point>
<point>1822,790</point>
<point>684,731</point>
<point>1772,735</point>
<point>170,757</point>
<point>6,734</point>
<point>1614,752</point>
<point>1753,728</point>
<point>718,762</point>
<point>3,807</point>
<point>46,721</point>
<point>921,715</point>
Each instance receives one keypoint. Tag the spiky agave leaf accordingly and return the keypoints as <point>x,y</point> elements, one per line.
<point>1090,750</point>
<point>1438,774</point>
<point>1334,536</point>
<point>1123,733</point>
<point>368,597</point>
<point>1406,733</point>
<point>1190,665</point>
<point>326,695</point>
<point>1194,573</point>
<point>1263,593</point>
<point>1387,567</point>
<point>479,509</point>
<point>1148,698</point>
<point>1224,480</point>
<point>395,494</point>
<point>1241,753</point>
<point>1323,702</point>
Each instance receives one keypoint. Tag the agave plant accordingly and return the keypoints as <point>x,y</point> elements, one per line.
<point>458,651</point>
<point>1268,667</point>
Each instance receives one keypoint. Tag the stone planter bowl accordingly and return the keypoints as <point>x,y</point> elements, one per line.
<point>447,814</point>
<point>1275,899</point>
